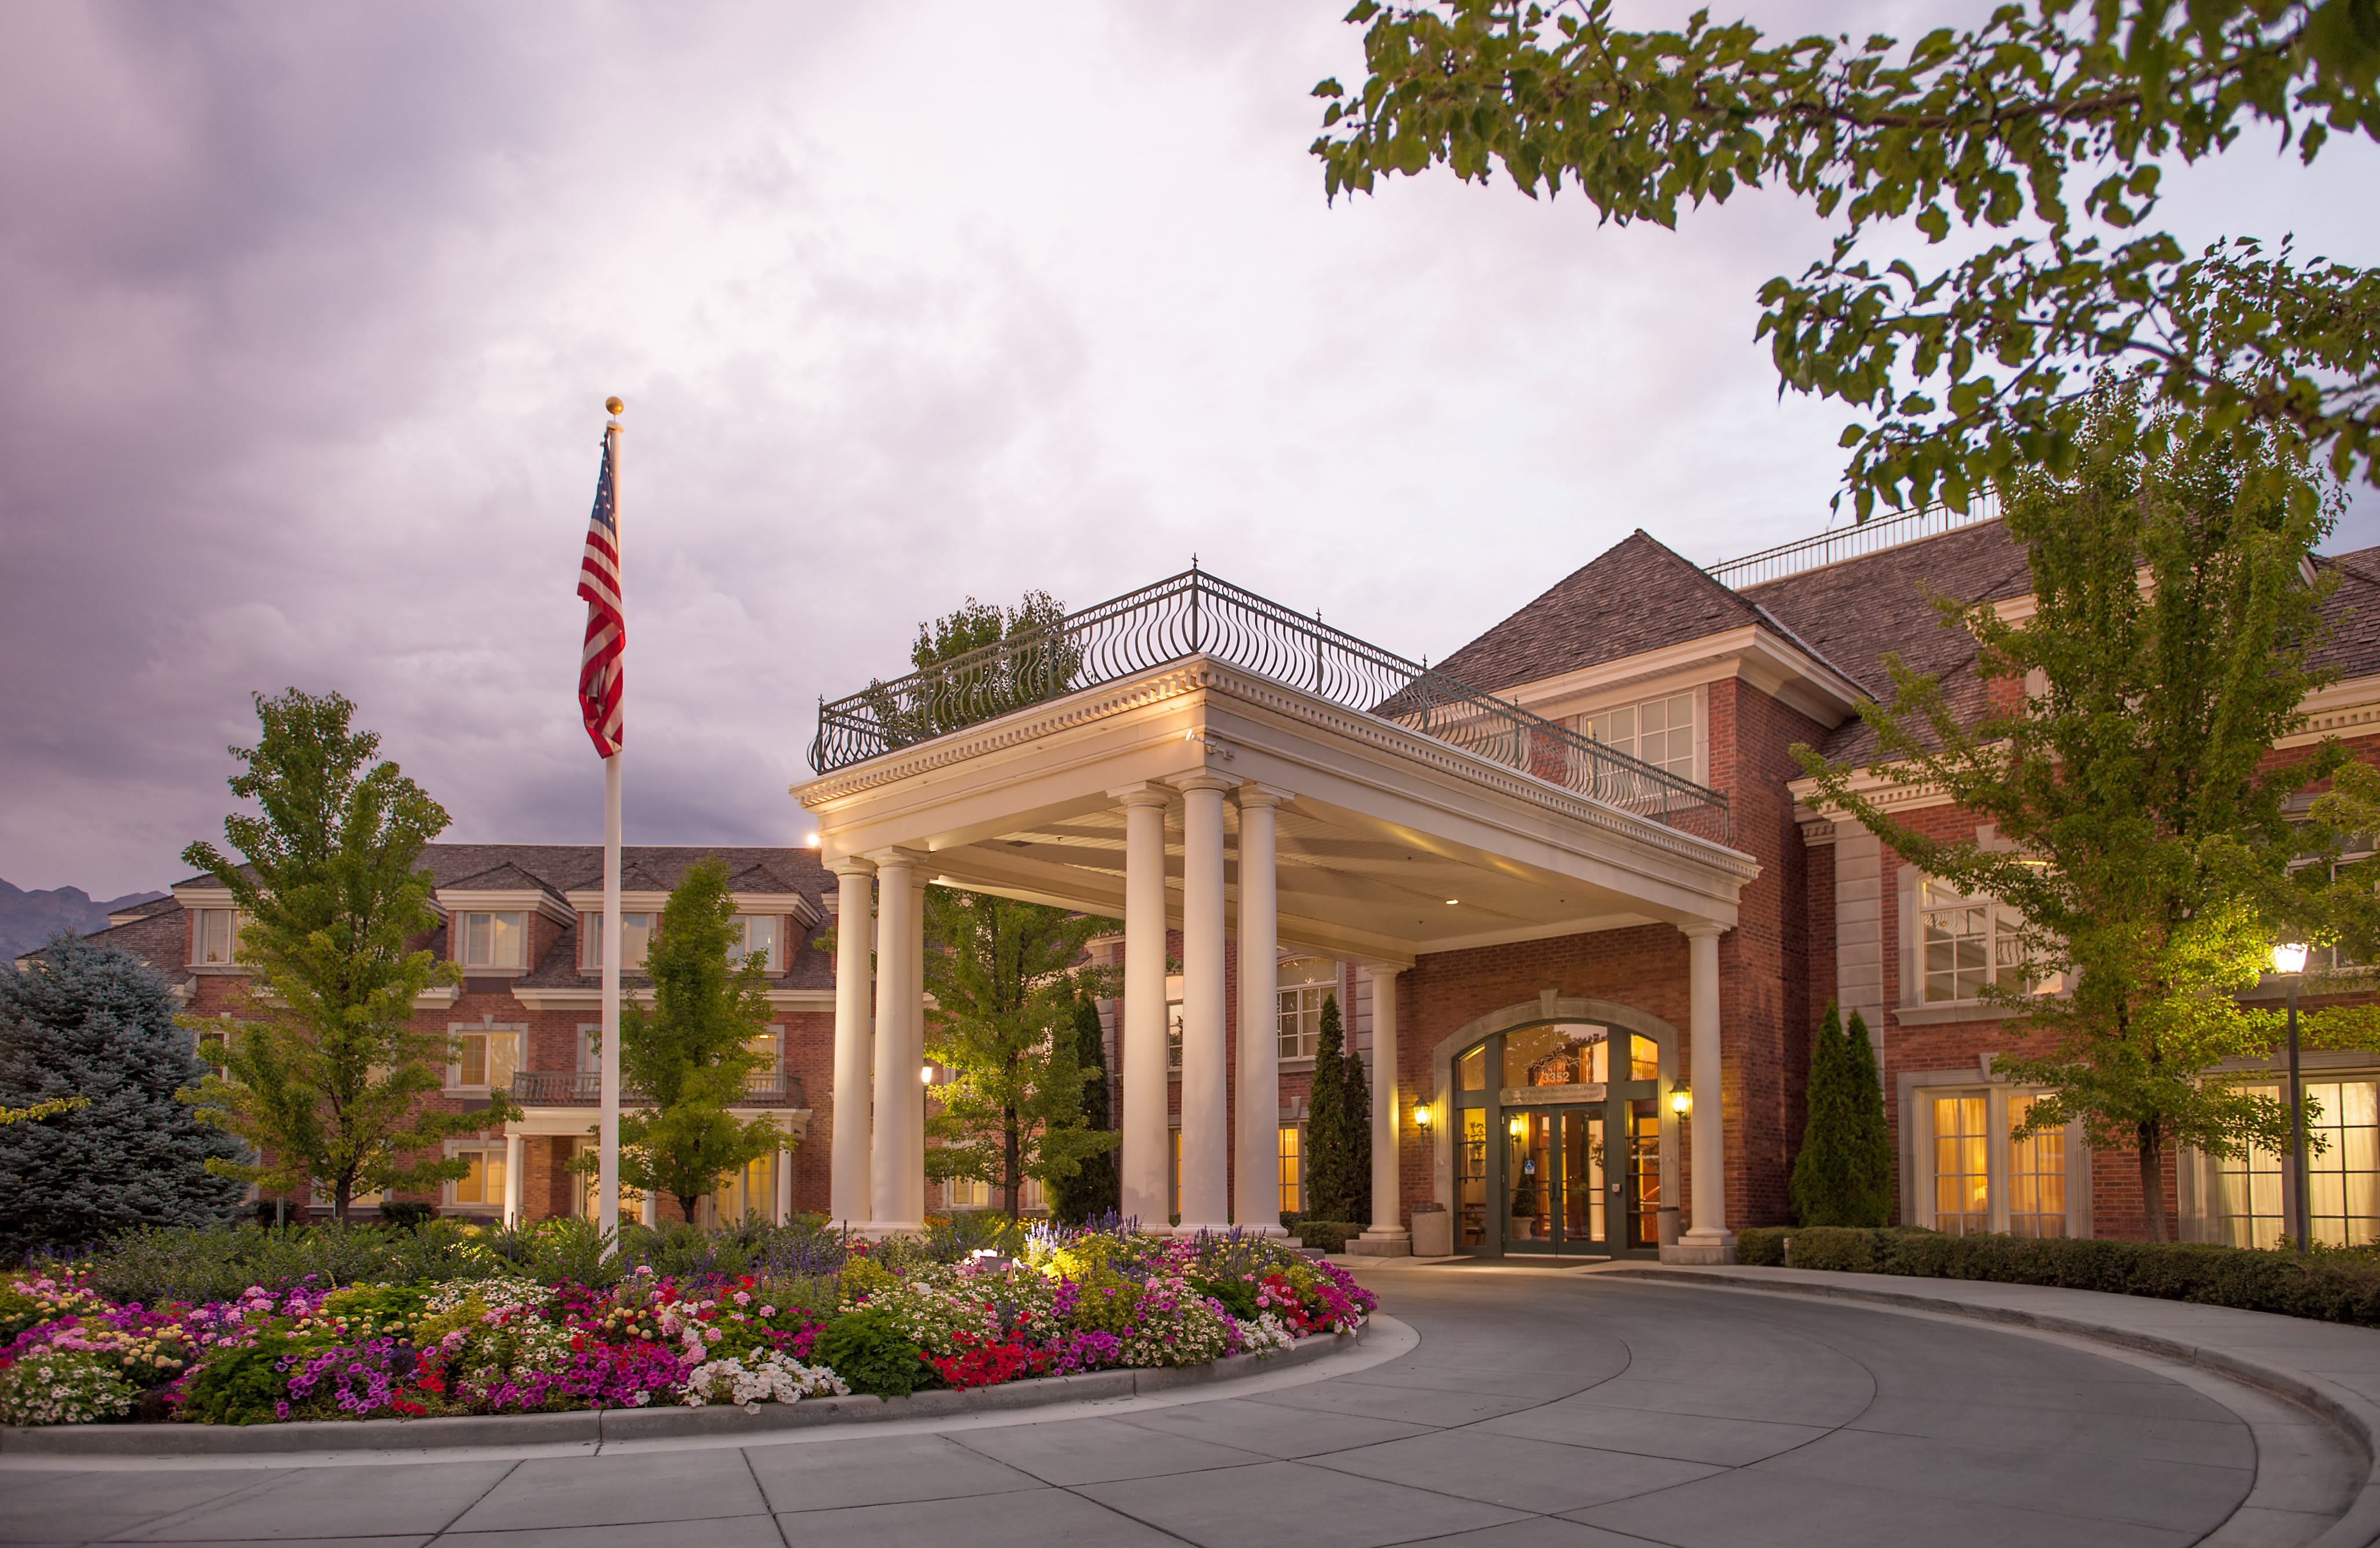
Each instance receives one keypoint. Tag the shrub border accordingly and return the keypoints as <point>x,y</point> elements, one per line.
<point>657,1422</point>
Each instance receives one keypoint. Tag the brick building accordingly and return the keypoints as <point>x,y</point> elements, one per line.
<point>1567,886</point>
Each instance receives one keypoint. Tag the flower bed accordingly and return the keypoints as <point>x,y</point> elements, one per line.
<point>886,1318</point>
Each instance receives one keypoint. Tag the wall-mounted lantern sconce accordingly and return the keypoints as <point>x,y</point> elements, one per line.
<point>1681,1100</point>
<point>1421,1116</point>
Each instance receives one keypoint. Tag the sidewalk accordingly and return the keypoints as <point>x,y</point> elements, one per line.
<point>2327,1367</point>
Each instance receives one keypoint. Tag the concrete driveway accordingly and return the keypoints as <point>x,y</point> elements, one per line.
<point>1539,1407</point>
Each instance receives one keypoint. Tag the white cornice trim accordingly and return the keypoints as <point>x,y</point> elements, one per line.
<point>590,996</point>
<point>1196,674</point>
<point>510,900</point>
<point>1885,792</point>
<point>2347,709</point>
<point>202,896</point>
<point>1776,667</point>
<point>587,899</point>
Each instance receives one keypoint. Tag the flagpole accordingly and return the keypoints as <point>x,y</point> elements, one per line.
<point>608,1134</point>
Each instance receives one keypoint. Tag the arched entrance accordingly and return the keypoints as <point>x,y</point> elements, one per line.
<point>1558,1139</point>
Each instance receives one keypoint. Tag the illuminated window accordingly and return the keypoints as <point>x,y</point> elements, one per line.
<point>486,1059</point>
<point>1471,1178</point>
<point>483,1185</point>
<point>748,1194</point>
<point>1962,1185</point>
<point>1173,1024</point>
<point>1175,1163</point>
<point>1644,1060</point>
<point>1304,985</point>
<point>636,939</point>
<point>1293,1190</point>
<point>2037,1190</point>
<point>2343,1177</point>
<point>494,940</point>
<point>1967,943</point>
<point>214,936</point>
<point>755,935</point>
<point>1563,1054</point>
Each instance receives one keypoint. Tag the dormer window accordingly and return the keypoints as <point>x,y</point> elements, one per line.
<point>750,934</point>
<point>214,936</point>
<point>636,939</point>
<point>1658,732</point>
<point>494,940</point>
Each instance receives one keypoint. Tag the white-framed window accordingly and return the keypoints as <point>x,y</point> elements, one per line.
<point>1971,1175</point>
<point>635,940</point>
<point>748,1193</point>
<point>214,936</point>
<point>1966,944</point>
<point>485,1059</point>
<point>1658,732</point>
<point>1173,1024</point>
<point>495,940</point>
<point>1305,983</point>
<point>212,1042</point>
<point>1292,1168</point>
<point>757,934</point>
<point>483,1186</point>
<point>2343,1177</point>
<point>767,1078</point>
<point>969,1192</point>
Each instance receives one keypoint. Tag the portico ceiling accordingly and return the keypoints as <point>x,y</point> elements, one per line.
<point>1380,825</point>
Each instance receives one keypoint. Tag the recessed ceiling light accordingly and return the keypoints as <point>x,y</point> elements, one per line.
<point>1452,902</point>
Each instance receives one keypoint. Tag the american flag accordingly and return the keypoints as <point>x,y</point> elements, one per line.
<point>607,630</point>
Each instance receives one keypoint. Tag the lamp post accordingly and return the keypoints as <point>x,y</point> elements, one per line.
<point>2290,960</point>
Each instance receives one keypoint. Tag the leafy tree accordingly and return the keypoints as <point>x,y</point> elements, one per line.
<point>1970,374</point>
<point>979,661</point>
<point>687,1057</point>
<point>88,1043</point>
<point>1095,1189</point>
<point>326,1075</point>
<point>1843,1175</point>
<point>2141,831</point>
<point>1331,1181</point>
<point>1007,986</point>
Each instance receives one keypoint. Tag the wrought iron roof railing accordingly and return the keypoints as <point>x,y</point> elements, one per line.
<point>1850,542</point>
<point>1194,613</point>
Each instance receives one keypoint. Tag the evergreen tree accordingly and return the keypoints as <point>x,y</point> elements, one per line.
<point>1096,1187</point>
<point>690,1053</point>
<point>1843,1176</point>
<point>1355,1117</point>
<point>92,1023</point>
<point>1330,1166</point>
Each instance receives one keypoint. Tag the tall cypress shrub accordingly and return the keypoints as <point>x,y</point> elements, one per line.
<point>90,1021</point>
<point>1096,1187</point>
<point>1356,1118</point>
<point>1843,1176</point>
<point>1330,1178</point>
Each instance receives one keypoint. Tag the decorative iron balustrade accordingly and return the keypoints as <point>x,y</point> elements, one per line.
<point>1194,613</point>
<point>584,1088</point>
<point>1868,536</point>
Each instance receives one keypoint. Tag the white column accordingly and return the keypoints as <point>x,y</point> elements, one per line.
<point>1255,1192</point>
<point>1387,1229</point>
<point>651,1214</point>
<point>512,1176</point>
<point>784,1186</point>
<point>854,1040</point>
<point>1206,1134</point>
<point>1145,1161</point>
<point>897,1160</point>
<point>1708,1240</point>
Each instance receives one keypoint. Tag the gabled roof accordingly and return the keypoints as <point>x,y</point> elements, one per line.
<point>2352,613</point>
<point>1635,597</point>
<point>504,877</point>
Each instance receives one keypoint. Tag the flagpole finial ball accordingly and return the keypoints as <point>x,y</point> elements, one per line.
<point>613,405</point>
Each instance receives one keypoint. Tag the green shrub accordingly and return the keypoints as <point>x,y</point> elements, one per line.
<point>2329,1286</point>
<point>953,1237</point>
<point>244,1386</point>
<point>406,1214</point>
<point>1329,1236</point>
<point>869,1350</point>
<point>1239,1297</point>
<point>1762,1244</point>
<point>1842,1175</point>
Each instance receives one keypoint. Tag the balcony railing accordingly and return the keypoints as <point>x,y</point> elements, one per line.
<point>584,1088</point>
<point>1868,536</point>
<point>1194,613</point>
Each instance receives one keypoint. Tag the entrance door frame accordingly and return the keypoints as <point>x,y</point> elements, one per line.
<point>1549,1007</point>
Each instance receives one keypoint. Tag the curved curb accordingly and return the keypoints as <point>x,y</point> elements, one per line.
<point>585,1425</point>
<point>2351,1415</point>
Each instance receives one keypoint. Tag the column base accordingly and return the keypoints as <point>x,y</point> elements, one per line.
<point>1191,1228</point>
<point>1698,1248</point>
<point>876,1230</point>
<point>1394,1241</point>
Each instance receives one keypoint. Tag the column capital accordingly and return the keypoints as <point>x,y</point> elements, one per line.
<point>1701,929</point>
<point>897,859</point>
<point>1139,795</point>
<point>1383,971</point>
<point>1203,779</point>
<point>1257,797</point>
<point>852,865</point>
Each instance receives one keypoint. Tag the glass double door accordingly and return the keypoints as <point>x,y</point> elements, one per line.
<point>1580,1179</point>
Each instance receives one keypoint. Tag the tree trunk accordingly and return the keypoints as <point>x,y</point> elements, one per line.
<point>1011,1160</point>
<point>686,1206</point>
<point>2152,1155</point>
<point>341,1196</point>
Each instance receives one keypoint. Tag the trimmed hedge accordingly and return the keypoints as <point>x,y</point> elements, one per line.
<point>2335,1286</point>
<point>1330,1236</point>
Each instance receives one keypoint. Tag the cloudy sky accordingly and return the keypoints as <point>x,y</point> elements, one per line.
<point>309,313</point>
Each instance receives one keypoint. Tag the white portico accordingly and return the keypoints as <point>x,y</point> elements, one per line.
<point>1266,782</point>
